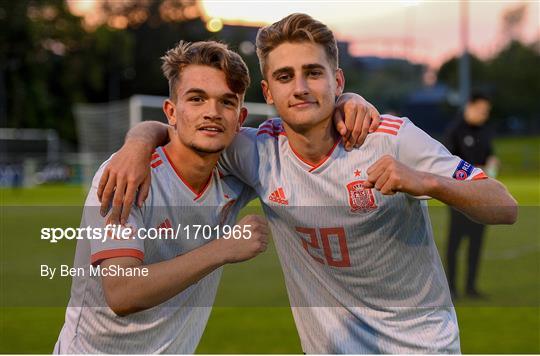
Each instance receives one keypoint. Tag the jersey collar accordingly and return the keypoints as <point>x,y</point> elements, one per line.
<point>315,168</point>
<point>196,194</point>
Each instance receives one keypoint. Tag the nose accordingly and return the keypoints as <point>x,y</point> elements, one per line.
<point>300,86</point>
<point>213,111</point>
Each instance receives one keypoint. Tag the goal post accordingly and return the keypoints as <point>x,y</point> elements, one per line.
<point>102,127</point>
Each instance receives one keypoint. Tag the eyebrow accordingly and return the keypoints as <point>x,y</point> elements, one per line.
<point>199,91</point>
<point>313,66</point>
<point>195,91</point>
<point>229,95</point>
<point>279,71</point>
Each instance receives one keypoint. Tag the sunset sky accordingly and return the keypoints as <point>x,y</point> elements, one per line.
<point>421,31</point>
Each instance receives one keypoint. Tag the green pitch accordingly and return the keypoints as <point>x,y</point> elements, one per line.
<point>251,313</point>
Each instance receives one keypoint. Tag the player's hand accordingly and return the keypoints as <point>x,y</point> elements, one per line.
<point>242,249</point>
<point>127,172</point>
<point>354,118</point>
<point>390,176</point>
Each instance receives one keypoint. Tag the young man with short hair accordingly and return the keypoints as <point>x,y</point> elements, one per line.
<point>165,309</point>
<point>162,302</point>
<point>352,229</point>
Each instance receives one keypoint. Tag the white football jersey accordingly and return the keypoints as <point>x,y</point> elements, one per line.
<point>176,325</point>
<point>362,270</point>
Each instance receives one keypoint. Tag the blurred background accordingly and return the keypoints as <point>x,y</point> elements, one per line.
<point>76,74</point>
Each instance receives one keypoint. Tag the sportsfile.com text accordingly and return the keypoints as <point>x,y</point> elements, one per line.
<point>129,232</point>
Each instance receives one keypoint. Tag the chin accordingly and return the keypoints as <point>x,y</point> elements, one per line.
<point>208,148</point>
<point>304,120</point>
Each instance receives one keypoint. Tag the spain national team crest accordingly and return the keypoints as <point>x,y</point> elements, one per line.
<point>361,199</point>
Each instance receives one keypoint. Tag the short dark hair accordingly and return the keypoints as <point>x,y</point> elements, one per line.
<point>210,53</point>
<point>477,96</point>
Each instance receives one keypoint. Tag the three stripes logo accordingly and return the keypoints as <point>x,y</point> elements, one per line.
<point>278,196</point>
<point>389,126</point>
<point>156,160</point>
<point>166,228</point>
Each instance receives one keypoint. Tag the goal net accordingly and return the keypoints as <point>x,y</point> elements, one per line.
<point>101,128</point>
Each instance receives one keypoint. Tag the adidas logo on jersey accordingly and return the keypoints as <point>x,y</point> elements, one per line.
<point>165,229</point>
<point>278,196</point>
<point>389,125</point>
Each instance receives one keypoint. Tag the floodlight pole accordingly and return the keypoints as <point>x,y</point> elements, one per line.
<point>464,65</point>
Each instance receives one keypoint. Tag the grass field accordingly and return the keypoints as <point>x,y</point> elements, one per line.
<point>251,313</point>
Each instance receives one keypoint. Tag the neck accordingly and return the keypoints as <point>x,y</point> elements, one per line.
<point>313,144</point>
<point>193,167</point>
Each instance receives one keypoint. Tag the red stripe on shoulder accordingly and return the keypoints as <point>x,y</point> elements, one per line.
<point>267,132</point>
<point>274,134</point>
<point>156,164</point>
<point>271,127</point>
<point>386,124</point>
<point>399,121</point>
<point>390,132</point>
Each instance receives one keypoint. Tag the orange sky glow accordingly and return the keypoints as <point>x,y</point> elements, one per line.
<point>421,31</point>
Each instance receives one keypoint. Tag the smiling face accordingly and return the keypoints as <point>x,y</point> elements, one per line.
<point>302,84</point>
<point>206,113</point>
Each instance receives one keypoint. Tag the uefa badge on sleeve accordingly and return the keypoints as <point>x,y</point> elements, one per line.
<point>361,200</point>
<point>463,170</point>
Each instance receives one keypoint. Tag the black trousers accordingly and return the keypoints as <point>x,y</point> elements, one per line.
<point>461,226</point>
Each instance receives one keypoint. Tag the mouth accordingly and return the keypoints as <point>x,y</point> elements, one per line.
<point>302,104</point>
<point>211,128</point>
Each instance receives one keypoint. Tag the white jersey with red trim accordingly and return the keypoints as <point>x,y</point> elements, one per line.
<point>176,325</point>
<point>362,270</point>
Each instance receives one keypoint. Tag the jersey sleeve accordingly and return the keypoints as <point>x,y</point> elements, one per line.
<point>420,151</point>
<point>241,158</point>
<point>105,244</point>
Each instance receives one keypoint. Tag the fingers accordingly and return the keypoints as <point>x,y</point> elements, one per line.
<point>107,195</point>
<point>143,192</point>
<point>363,129</point>
<point>376,169</point>
<point>387,176</point>
<point>103,182</point>
<point>375,119</point>
<point>374,176</point>
<point>258,225</point>
<point>350,111</point>
<point>118,201</point>
<point>339,123</point>
<point>261,226</point>
<point>128,202</point>
<point>360,118</point>
<point>389,187</point>
<point>382,179</point>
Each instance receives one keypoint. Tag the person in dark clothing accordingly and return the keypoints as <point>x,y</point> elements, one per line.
<point>470,138</point>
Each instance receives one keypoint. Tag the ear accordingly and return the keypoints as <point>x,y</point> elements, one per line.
<point>170,111</point>
<point>266,92</point>
<point>340,82</point>
<point>242,117</point>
